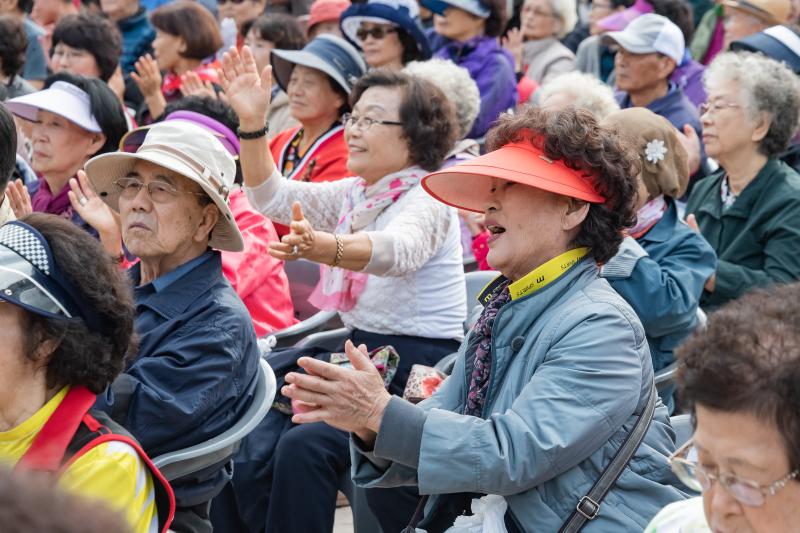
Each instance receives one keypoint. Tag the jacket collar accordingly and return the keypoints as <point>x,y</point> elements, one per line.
<point>743,205</point>
<point>134,20</point>
<point>663,229</point>
<point>177,296</point>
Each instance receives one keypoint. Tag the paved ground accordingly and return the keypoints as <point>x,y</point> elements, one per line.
<point>344,521</point>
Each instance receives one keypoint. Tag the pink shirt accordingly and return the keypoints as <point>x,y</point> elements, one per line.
<point>257,277</point>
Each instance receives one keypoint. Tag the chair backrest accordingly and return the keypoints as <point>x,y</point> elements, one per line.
<point>476,281</point>
<point>682,424</point>
<point>316,322</point>
<point>303,276</point>
<point>183,462</point>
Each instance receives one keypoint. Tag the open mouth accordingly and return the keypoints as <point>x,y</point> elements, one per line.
<point>494,232</point>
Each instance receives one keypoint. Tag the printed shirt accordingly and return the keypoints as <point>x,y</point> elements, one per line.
<point>111,472</point>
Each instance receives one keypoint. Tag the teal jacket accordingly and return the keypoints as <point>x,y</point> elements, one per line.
<point>757,239</point>
<point>571,372</point>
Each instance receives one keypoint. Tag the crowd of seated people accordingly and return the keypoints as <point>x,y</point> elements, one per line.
<point>552,247</point>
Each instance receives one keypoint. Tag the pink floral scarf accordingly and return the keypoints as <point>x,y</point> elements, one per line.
<point>338,289</point>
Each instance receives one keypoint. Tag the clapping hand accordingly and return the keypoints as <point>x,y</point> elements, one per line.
<point>147,76</point>
<point>513,42</point>
<point>192,85</point>
<point>299,242</point>
<point>19,199</point>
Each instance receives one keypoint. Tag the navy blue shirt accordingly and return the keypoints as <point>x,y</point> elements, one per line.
<point>195,373</point>
<point>137,39</point>
<point>674,106</point>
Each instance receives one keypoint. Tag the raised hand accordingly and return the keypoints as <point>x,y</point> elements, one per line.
<point>192,85</point>
<point>247,91</point>
<point>19,199</point>
<point>92,209</point>
<point>691,142</point>
<point>513,42</point>
<point>147,76</point>
<point>297,244</point>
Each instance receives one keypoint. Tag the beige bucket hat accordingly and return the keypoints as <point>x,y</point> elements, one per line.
<point>185,148</point>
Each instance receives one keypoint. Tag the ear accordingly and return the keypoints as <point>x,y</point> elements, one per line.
<point>209,219</point>
<point>763,122</point>
<point>45,350</point>
<point>667,67</point>
<point>98,140</point>
<point>574,214</point>
<point>181,46</point>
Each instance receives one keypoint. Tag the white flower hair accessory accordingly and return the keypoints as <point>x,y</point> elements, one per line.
<point>655,151</point>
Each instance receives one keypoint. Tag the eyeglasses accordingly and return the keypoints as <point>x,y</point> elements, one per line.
<point>539,13</point>
<point>237,2</point>
<point>599,5</point>
<point>378,32</point>
<point>69,55</point>
<point>160,192</point>
<point>365,123</point>
<point>699,478</point>
<point>716,107</point>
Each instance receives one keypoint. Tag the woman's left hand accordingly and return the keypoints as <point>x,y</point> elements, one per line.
<point>297,244</point>
<point>351,399</point>
<point>19,199</point>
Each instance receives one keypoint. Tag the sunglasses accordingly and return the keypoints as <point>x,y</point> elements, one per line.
<point>133,140</point>
<point>378,32</point>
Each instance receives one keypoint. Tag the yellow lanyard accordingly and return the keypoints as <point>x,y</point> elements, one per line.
<point>545,274</point>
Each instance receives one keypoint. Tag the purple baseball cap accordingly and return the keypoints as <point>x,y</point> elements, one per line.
<point>619,21</point>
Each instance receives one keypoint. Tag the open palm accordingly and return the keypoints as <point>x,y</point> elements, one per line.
<point>248,92</point>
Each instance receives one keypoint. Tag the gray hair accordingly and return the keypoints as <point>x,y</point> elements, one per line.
<point>585,91</point>
<point>567,13</point>
<point>456,83</point>
<point>767,86</point>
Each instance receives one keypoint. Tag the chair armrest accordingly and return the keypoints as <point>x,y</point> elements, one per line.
<point>195,458</point>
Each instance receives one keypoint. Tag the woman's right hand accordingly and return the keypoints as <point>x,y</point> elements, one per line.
<point>513,42</point>
<point>19,199</point>
<point>147,76</point>
<point>247,91</point>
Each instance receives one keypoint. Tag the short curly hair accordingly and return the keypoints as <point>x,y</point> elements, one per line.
<point>575,137</point>
<point>585,89</point>
<point>13,44</point>
<point>748,361</point>
<point>82,356</point>
<point>767,86</point>
<point>428,117</point>
<point>456,83</point>
<point>93,33</point>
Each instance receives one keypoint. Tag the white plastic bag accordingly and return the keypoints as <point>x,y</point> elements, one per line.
<point>487,517</point>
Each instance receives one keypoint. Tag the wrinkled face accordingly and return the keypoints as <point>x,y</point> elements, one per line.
<point>751,448</point>
<point>50,134</point>
<point>526,227</point>
<point>638,72</point>
<point>538,20</point>
<point>739,24</point>
<point>727,129</point>
<point>74,60</point>
<point>15,365</point>
<point>458,25</point>
<point>380,149</point>
<point>46,12</point>
<point>381,45</point>
<point>242,12</point>
<point>311,95</point>
<point>165,231</point>
<point>261,48</point>
<point>329,27</point>
<point>167,49</point>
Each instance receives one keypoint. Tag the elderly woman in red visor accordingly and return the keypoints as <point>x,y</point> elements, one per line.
<point>551,403</point>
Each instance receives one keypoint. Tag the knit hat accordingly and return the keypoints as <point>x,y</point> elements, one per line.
<point>403,14</point>
<point>665,167</point>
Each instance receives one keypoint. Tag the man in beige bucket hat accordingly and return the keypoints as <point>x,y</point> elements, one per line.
<point>195,372</point>
<point>746,17</point>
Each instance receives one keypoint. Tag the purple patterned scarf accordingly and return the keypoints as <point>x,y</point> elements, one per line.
<point>479,382</point>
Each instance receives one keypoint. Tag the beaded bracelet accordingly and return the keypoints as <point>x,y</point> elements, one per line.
<point>252,135</point>
<point>339,250</point>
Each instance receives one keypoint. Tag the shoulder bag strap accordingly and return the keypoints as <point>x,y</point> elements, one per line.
<point>589,506</point>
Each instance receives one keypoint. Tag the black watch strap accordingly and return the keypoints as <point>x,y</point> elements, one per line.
<point>250,135</point>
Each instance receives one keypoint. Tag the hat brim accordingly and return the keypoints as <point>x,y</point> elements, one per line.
<point>468,185</point>
<point>284,61</point>
<point>105,169</point>
<point>27,107</point>
<point>764,16</point>
<point>382,14</point>
<point>629,42</point>
<point>769,46</point>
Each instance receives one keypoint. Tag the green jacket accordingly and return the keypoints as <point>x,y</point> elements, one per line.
<point>757,239</point>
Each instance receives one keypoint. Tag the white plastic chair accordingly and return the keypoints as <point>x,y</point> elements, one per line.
<point>179,463</point>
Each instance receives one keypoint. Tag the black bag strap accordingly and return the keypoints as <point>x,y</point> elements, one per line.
<point>589,506</point>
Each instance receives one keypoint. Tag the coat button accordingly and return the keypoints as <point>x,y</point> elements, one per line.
<point>517,343</point>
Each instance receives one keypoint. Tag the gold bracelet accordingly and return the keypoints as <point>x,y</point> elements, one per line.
<point>339,250</point>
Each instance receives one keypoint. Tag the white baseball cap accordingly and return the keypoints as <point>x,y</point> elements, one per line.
<point>650,34</point>
<point>188,149</point>
<point>61,98</point>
